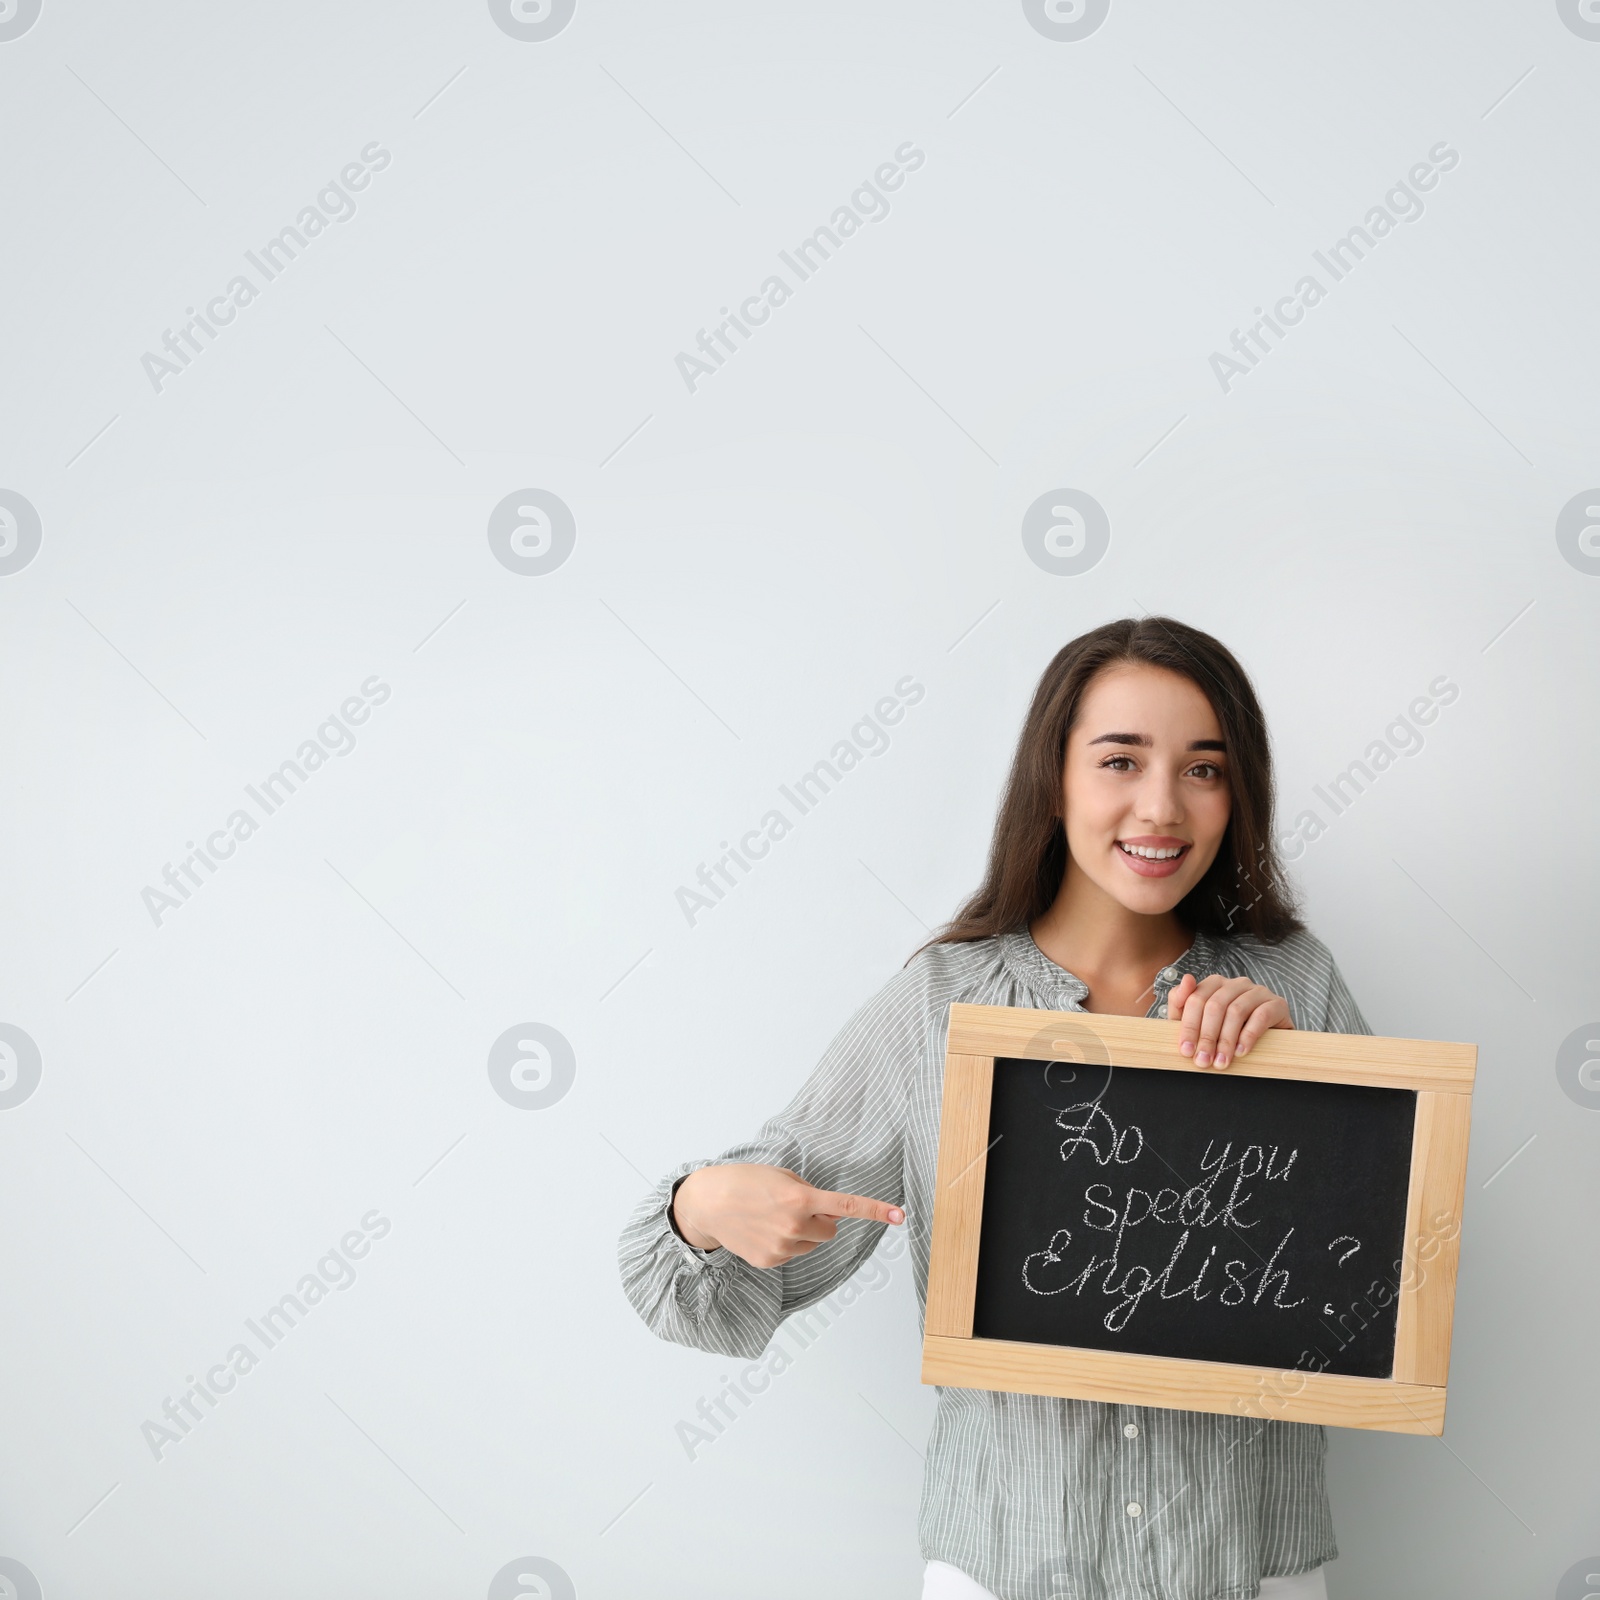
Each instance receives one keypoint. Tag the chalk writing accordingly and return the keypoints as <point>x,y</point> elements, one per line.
<point>1048,1272</point>
<point>1207,1217</point>
<point>1115,1146</point>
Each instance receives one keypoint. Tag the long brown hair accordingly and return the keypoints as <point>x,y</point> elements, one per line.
<point>1243,891</point>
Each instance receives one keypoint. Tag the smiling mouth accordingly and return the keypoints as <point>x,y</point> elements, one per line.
<point>1153,860</point>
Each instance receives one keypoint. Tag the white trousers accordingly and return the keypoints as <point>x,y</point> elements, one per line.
<point>944,1582</point>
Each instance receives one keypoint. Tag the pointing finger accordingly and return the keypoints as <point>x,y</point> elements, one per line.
<point>828,1203</point>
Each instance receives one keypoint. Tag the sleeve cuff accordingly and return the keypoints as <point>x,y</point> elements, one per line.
<point>693,1251</point>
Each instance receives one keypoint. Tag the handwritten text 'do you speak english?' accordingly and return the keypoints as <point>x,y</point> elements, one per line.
<point>1199,1207</point>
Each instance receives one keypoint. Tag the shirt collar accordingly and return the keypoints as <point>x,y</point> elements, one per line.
<point>1031,967</point>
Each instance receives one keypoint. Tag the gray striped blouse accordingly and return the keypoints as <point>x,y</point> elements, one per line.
<point>1035,1498</point>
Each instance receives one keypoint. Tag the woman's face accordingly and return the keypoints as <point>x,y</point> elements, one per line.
<point>1145,789</point>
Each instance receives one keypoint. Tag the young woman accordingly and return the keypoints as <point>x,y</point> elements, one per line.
<point>1132,871</point>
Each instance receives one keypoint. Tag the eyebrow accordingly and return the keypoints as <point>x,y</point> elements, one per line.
<point>1145,741</point>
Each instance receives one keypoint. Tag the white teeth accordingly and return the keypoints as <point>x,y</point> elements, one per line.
<point>1149,852</point>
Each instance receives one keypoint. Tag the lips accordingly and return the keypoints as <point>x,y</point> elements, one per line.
<point>1153,857</point>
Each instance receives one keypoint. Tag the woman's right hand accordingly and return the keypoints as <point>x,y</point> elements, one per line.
<point>765,1215</point>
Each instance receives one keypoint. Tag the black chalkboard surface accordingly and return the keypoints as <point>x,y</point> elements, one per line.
<point>1255,1220</point>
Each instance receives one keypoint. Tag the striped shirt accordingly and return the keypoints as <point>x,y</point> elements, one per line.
<point>1033,1497</point>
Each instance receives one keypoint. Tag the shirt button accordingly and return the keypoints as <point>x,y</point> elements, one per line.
<point>1135,1509</point>
<point>1130,1430</point>
<point>1170,974</point>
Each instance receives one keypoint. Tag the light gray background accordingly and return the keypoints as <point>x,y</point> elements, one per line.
<point>224,562</point>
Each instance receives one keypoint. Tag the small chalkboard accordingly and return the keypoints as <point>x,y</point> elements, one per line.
<point>1172,1214</point>
<point>1278,1240</point>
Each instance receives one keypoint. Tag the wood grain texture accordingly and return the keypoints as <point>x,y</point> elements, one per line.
<point>1433,1238</point>
<point>1421,1064</point>
<point>958,1194</point>
<point>1213,1386</point>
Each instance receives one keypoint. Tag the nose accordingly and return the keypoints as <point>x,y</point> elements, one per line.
<point>1159,800</point>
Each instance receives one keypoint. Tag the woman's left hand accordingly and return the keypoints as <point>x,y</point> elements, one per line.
<point>1223,1017</point>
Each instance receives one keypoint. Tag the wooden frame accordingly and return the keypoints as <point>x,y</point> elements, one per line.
<point>1412,1401</point>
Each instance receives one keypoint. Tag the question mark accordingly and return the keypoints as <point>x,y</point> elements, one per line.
<point>1355,1244</point>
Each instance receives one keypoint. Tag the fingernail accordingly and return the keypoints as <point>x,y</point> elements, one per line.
<point>1186,1048</point>
<point>896,1214</point>
<point>1222,1061</point>
<point>1202,1057</point>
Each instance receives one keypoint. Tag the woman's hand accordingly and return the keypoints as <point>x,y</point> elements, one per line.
<point>765,1215</point>
<point>1223,1017</point>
